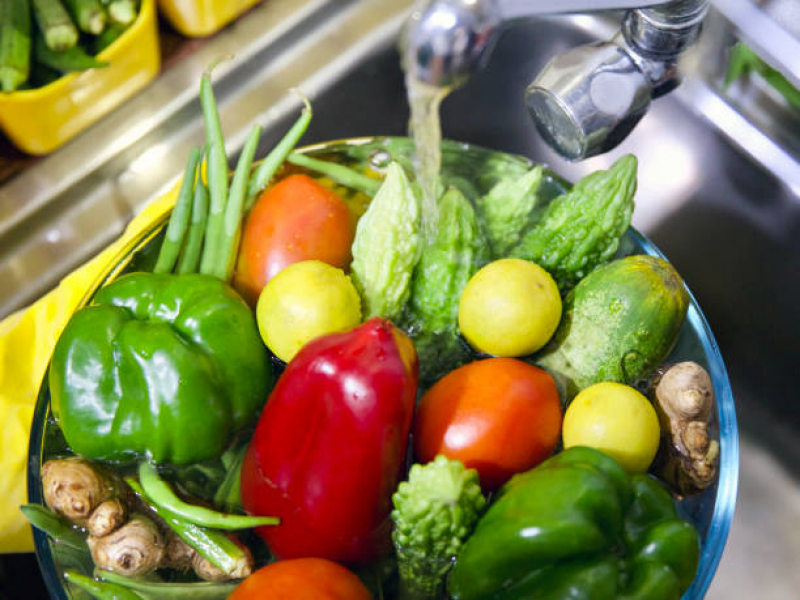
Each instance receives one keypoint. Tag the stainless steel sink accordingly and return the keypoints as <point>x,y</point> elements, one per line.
<point>727,223</point>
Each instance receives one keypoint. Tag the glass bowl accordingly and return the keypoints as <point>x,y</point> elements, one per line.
<point>474,170</point>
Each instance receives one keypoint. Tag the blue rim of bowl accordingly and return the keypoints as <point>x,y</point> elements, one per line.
<point>728,467</point>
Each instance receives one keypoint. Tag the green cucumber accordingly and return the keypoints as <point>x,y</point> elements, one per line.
<point>620,322</point>
<point>444,268</point>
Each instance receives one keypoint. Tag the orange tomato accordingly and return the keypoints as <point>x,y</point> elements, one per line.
<point>500,416</point>
<point>302,579</point>
<point>296,219</point>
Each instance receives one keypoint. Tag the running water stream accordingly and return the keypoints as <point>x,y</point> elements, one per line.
<point>425,130</point>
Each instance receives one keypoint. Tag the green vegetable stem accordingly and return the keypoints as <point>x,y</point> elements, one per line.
<point>215,546</point>
<point>56,526</point>
<point>55,24</point>
<point>162,496</point>
<point>434,512</point>
<point>102,590</point>
<point>15,43</point>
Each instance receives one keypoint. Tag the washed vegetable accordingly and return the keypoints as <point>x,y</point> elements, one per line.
<point>683,396</point>
<point>107,517</point>
<point>329,449</point>
<point>500,416</point>
<point>434,512</point>
<point>216,555</point>
<point>616,419</point>
<point>508,210</point>
<point>55,24</point>
<point>302,579</point>
<point>158,590</point>
<point>161,495</point>
<point>136,548</point>
<point>102,590</point>
<point>620,322</point>
<point>511,307</point>
<point>15,43</point>
<point>74,487</point>
<point>116,367</point>
<point>444,267</point>
<point>295,220</point>
<point>386,247</point>
<point>578,526</point>
<point>338,173</point>
<point>65,61</point>
<point>580,230</point>
<point>122,12</point>
<point>56,526</point>
<point>304,301</point>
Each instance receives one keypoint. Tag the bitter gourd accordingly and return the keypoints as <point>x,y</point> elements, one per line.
<point>507,210</point>
<point>386,247</point>
<point>581,229</point>
<point>444,268</point>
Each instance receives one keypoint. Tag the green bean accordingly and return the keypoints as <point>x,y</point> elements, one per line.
<point>232,227</point>
<point>275,158</point>
<point>210,112</point>
<point>56,526</point>
<point>229,495</point>
<point>217,191</point>
<point>102,590</point>
<point>215,546</point>
<point>160,494</point>
<point>339,173</point>
<point>159,590</point>
<point>179,220</point>
<point>190,258</point>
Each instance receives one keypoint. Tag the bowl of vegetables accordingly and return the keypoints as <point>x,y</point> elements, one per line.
<point>290,384</point>
<point>70,64</point>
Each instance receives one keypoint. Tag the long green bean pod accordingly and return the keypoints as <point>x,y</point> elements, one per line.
<point>56,526</point>
<point>265,171</point>
<point>88,14</point>
<point>102,590</point>
<point>157,590</point>
<point>190,257</point>
<point>179,220</point>
<point>218,195</point>
<point>162,496</point>
<point>232,228</point>
<point>339,173</point>
<point>15,43</point>
<point>211,544</point>
<point>55,23</point>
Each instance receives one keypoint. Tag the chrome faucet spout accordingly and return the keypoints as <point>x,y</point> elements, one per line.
<point>587,99</point>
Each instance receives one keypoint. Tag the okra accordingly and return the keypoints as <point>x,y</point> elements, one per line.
<point>55,24</point>
<point>88,14</point>
<point>74,59</point>
<point>15,43</point>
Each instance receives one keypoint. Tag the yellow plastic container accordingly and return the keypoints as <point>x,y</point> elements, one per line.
<point>199,18</point>
<point>39,121</point>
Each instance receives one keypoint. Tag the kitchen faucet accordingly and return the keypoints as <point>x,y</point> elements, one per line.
<point>587,99</point>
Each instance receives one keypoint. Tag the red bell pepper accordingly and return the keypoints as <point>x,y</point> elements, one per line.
<point>329,449</point>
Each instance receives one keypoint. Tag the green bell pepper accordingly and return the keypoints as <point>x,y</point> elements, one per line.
<point>578,526</point>
<point>169,366</point>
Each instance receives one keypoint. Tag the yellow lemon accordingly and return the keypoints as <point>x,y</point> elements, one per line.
<point>510,307</point>
<point>616,419</point>
<point>304,301</point>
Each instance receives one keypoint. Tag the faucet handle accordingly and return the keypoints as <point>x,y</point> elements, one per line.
<point>444,41</point>
<point>587,99</point>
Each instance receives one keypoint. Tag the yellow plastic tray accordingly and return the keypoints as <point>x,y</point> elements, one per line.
<point>39,121</point>
<point>199,18</point>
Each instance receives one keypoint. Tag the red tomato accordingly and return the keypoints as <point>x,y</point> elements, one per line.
<point>499,416</point>
<point>302,579</point>
<point>297,219</point>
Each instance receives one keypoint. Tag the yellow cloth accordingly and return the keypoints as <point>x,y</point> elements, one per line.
<point>27,339</point>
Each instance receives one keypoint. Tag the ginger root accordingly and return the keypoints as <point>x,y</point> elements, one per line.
<point>136,548</point>
<point>73,487</point>
<point>683,396</point>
